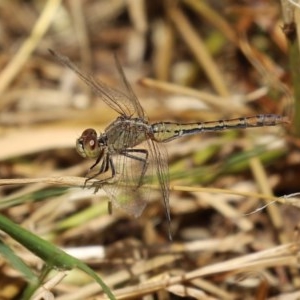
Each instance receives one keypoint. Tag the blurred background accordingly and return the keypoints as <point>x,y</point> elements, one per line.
<point>187,61</point>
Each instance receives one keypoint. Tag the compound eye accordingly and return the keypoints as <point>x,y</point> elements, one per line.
<point>87,145</point>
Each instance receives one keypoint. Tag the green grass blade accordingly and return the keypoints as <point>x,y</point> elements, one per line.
<point>52,256</point>
<point>17,262</point>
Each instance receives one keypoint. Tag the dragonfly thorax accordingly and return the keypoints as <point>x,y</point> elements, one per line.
<point>125,133</point>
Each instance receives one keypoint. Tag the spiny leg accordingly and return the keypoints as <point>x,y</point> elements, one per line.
<point>97,161</point>
<point>97,185</point>
<point>106,164</point>
<point>103,168</point>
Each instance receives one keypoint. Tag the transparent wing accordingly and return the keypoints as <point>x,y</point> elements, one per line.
<point>133,170</point>
<point>130,93</point>
<point>160,161</point>
<point>127,105</point>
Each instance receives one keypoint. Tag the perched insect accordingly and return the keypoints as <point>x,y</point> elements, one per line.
<point>129,149</point>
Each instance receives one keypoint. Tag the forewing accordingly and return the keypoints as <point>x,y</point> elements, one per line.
<point>120,102</point>
<point>129,91</point>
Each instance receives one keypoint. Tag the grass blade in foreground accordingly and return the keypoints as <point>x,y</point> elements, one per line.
<point>16,262</point>
<point>52,256</point>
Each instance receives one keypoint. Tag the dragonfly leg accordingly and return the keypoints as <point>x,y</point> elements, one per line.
<point>107,164</point>
<point>144,161</point>
<point>100,157</point>
<point>102,168</point>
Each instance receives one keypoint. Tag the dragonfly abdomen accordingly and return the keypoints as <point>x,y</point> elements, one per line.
<point>166,131</point>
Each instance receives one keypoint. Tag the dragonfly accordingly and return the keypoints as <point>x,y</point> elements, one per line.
<point>130,150</point>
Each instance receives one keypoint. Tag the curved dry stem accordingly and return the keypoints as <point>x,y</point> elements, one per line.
<point>55,180</point>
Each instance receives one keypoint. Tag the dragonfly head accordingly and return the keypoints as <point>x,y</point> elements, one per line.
<point>87,145</point>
